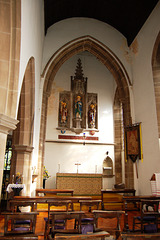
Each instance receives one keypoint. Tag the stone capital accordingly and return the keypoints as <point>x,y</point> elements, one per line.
<point>23,148</point>
<point>7,124</point>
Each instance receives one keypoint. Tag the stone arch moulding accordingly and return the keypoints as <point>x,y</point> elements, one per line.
<point>106,57</point>
<point>23,134</point>
<point>85,43</point>
<point>27,105</point>
<point>156,77</point>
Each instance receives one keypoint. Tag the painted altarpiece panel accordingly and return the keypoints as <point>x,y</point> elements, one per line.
<point>64,109</point>
<point>77,108</point>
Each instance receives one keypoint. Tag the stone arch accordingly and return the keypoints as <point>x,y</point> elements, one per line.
<point>106,57</point>
<point>23,135</point>
<point>118,126</point>
<point>156,77</point>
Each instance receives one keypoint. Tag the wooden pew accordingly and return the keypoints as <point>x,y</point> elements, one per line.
<point>112,200</point>
<point>54,191</point>
<point>38,199</point>
<point>124,191</point>
<point>20,237</point>
<point>131,235</point>
<point>95,235</point>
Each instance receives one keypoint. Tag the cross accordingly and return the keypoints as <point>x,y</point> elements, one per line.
<point>77,165</point>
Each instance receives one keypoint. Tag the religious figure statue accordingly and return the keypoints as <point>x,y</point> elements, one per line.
<point>78,107</point>
<point>92,115</point>
<point>63,112</point>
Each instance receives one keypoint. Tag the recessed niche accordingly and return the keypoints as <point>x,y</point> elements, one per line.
<point>108,167</point>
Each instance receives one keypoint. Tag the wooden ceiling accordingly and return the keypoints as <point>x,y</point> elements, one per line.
<point>127,16</point>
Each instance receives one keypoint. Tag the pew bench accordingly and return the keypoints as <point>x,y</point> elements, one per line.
<point>132,235</point>
<point>45,199</point>
<point>20,237</point>
<point>91,236</point>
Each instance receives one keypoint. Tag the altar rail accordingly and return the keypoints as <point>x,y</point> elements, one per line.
<point>54,191</point>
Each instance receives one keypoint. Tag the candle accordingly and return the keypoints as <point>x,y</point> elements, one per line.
<point>95,168</point>
<point>13,179</point>
<point>59,167</point>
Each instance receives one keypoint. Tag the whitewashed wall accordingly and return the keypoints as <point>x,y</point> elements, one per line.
<point>90,156</point>
<point>145,109</point>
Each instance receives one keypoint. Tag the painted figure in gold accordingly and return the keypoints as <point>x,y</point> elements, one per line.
<point>92,115</point>
<point>78,107</point>
<point>63,112</point>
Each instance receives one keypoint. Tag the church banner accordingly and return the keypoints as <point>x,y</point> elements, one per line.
<point>133,142</point>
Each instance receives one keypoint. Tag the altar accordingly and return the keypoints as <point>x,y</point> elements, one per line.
<point>16,188</point>
<point>81,183</point>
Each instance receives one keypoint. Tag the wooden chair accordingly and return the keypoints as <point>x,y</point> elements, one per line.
<point>72,230</point>
<point>110,221</point>
<point>65,222</point>
<point>88,218</point>
<point>19,231</point>
<point>55,203</point>
<point>147,221</point>
<point>21,206</point>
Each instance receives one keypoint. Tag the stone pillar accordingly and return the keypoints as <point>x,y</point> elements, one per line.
<point>22,154</point>
<point>42,139</point>
<point>6,124</point>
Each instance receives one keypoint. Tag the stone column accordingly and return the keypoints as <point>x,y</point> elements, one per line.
<point>23,164</point>
<point>6,125</point>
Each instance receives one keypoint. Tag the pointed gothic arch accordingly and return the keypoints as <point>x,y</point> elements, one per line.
<point>106,57</point>
<point>23,135</point>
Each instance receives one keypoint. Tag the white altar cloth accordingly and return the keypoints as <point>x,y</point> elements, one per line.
<point>10,186</point>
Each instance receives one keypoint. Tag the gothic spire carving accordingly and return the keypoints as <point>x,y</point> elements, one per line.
<point>79,70</point>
